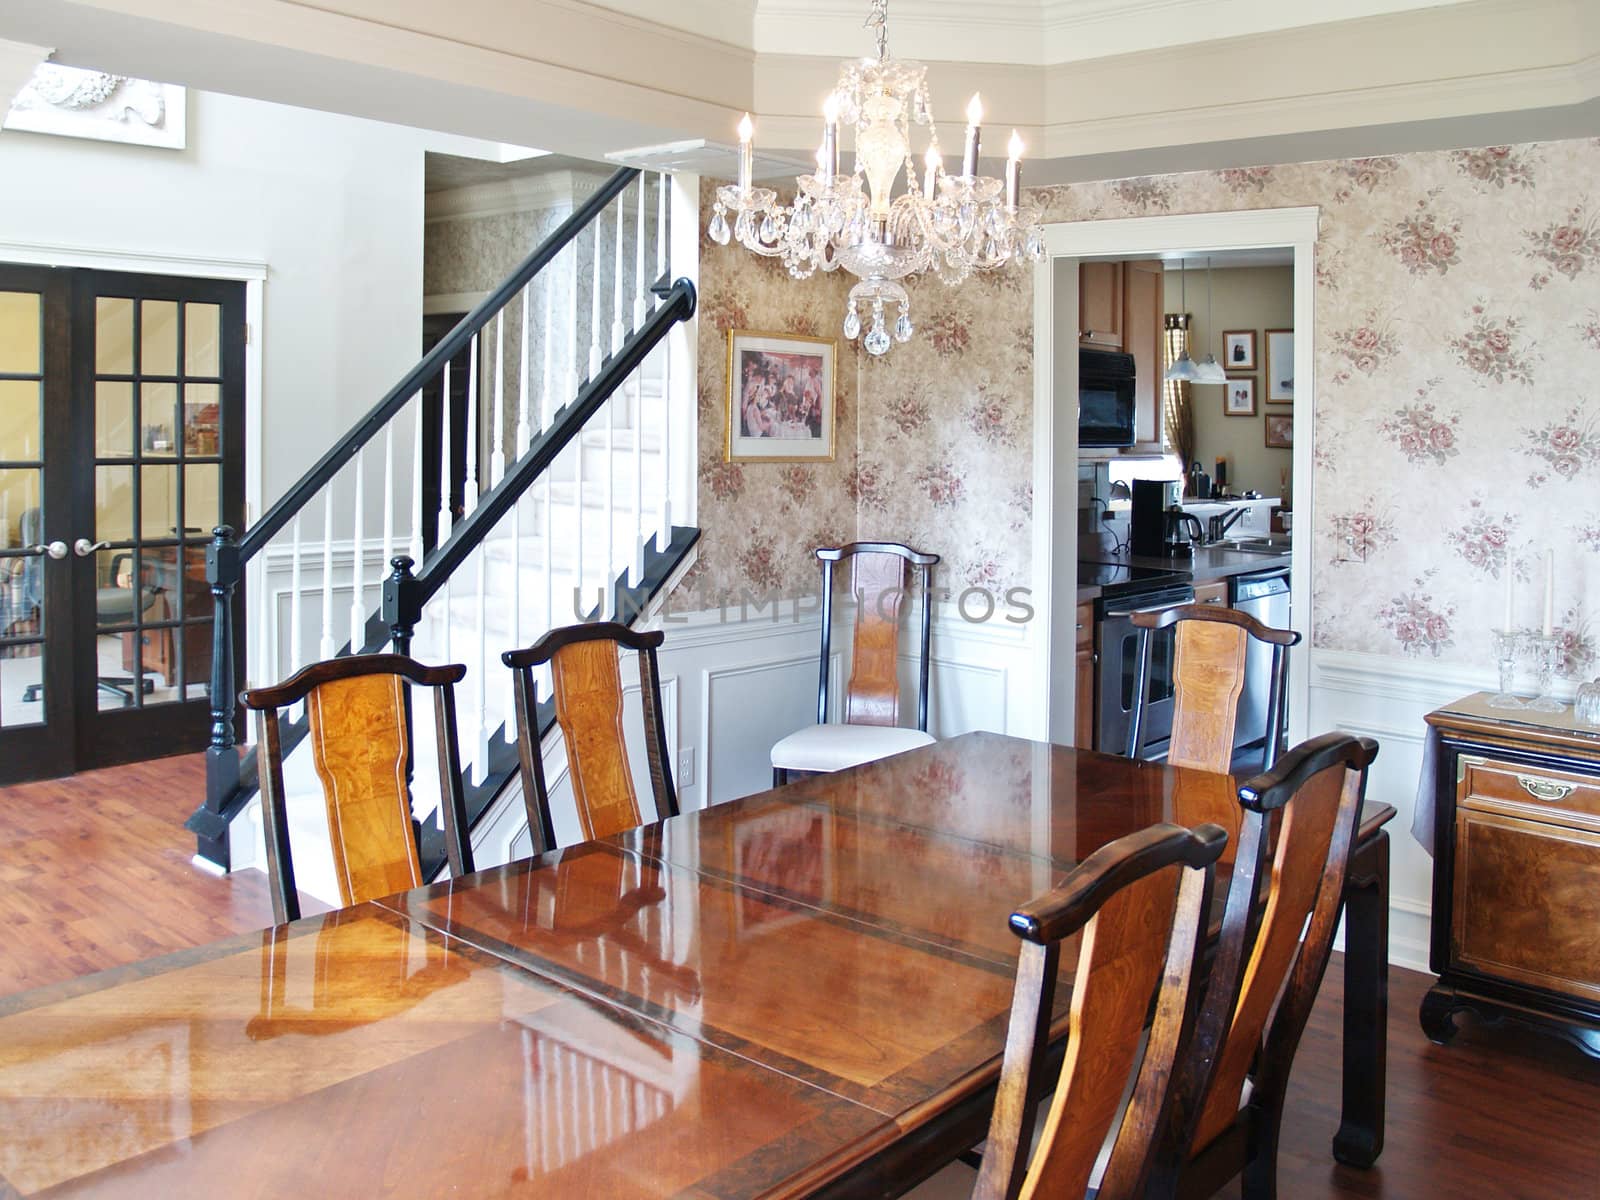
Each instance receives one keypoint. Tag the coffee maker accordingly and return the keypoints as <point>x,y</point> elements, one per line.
<point>1159,528</point>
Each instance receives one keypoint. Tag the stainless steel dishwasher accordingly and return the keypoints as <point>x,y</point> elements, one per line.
<point>1265,596</point>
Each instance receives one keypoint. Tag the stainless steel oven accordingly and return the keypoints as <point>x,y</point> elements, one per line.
<point>1119,666</point>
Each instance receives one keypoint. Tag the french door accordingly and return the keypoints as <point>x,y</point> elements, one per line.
<point>121,447</point>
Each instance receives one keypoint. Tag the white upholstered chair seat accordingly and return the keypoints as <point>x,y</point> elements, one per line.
<point>835,747</point>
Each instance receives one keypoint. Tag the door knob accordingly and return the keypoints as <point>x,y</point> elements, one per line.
<point>83,547</point>
<point>53,549</point>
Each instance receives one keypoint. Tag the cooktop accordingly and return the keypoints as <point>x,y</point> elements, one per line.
<point>1120,579</point>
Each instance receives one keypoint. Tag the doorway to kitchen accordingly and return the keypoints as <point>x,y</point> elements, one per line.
<point>1057,341</point>
<point>121,448</point>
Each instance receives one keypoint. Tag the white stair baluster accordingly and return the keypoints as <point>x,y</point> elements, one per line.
<point>547,406</point>
<point>664,407</point>
<point>418,516</point>
<point>358,616</point>
<point>469,489</point>
<point>661,226</point>
<point>617,332</point>
<point>524,434</point>
<point>572,339</point>
<point>388,502</point>
<point>637,525</point>
<point>547,399</point>
<point>607,602</point>
<point>296,600</point>
<point>594,302</point>
<point>640,288</point>
<point>446,471</point>
<point>328,646</point>
<point>497,440</point>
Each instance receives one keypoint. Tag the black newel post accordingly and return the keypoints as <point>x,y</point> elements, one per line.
<point>223,572</point>
<point>402,609</point>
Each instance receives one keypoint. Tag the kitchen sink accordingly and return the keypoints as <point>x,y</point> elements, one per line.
<point>1255,545</point>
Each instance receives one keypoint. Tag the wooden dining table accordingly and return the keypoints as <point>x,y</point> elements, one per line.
<point>801,993</point>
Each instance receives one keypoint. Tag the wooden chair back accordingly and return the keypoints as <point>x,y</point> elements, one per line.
<point>358,717</point>
<point>1209,675</point>
<point>1265,975</point>
<point>587,684</point>
<point>878,579</point>
<point>1140,904</point>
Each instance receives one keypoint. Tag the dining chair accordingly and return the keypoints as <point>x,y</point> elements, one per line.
<point>587,685</point>
<point>1208,676</point>
<point>871,728</point>
<point>358,723</point>
<point>1284,902</point>
<point>1140,905</point>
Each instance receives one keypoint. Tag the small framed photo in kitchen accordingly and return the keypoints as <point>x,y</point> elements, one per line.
<point>780,397</point>
<point>1239,398</point>
<point>1280,431</point>
<point>1238,349</point>
<point>1280,366</point>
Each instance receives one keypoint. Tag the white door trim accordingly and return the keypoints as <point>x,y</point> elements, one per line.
<point>1055,508</point>
<point>250,272</point>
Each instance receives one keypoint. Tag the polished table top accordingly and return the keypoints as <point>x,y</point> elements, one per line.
<point>745,1001</point>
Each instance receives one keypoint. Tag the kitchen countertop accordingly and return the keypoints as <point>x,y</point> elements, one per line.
<point>1209,564</point>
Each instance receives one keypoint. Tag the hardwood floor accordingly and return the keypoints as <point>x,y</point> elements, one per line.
<point>95,871</point>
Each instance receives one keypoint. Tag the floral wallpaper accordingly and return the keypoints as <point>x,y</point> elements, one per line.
<point>1457,426</point>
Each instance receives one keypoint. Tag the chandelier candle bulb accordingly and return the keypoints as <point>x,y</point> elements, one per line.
<point>747,152</point>
<point>1013,170</point>
<point>932,165</point>
<point>969,159</point>
<point>829,162</point>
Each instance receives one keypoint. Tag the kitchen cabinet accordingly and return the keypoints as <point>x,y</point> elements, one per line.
<point>1143,321</point>
<point>1215,592</point>
<point>1516,875</point>
<point>1100,312</point>
<point>1083,707</point>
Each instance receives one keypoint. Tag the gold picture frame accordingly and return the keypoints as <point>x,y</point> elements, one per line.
<point>1238,349</point>
<point>781,397</point>
<point>1280,366</point>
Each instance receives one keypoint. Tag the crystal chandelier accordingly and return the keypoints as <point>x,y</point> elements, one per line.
<point>951,225</point>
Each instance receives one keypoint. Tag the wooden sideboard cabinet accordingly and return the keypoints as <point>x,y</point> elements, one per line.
<point>1516,871</point>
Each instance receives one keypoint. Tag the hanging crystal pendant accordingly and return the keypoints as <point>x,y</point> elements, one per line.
<point>902,327</point>
<point>769,229</point>
<point>719,231</point>
<point>877,341</point>
<point>852,323</point>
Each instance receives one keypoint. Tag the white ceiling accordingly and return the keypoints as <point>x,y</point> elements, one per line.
<point>1098,88</point>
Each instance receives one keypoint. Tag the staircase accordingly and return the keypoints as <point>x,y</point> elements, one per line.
<point>565,512</point>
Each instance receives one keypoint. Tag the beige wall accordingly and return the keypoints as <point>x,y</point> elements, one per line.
<point>1258,298</point>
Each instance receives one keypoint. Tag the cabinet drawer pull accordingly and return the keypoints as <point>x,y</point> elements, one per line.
<point>1544,789</point>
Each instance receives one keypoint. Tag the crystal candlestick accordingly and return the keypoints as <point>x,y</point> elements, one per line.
<point>1548,652</point>
<point>1506,643</point>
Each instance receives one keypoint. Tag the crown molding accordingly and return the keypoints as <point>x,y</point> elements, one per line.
<point>529,193</point>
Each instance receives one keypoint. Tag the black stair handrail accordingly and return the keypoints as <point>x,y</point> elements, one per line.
<point>347,447</point>
<point>229,779</point>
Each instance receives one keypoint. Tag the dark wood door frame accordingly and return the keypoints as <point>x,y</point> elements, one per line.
<point>78,734</point>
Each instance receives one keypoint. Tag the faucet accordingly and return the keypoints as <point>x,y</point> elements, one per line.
<point>1221,524</point>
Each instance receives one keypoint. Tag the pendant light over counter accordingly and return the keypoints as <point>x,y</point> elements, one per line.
<point>1183,368</point>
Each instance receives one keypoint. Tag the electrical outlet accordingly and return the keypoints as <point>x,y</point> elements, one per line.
<point>685,766</point>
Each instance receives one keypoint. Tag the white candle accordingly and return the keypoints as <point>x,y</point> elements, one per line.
<point>830,136</point>
<point>969,160</point>
<point>932,165</point>
<point>1549,592</point>
<point>1508,624</point>
<point>747,152</point>
<point>1013,169</point>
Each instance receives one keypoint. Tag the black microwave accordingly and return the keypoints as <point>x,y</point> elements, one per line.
<point>1105,399</point>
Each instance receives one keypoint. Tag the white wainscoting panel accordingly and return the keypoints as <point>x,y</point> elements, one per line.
<point>1385,698</point>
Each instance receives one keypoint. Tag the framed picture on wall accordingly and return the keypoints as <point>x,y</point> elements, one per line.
<point>1239,397</point>
<point>1239,350</point>
<point>1280,366</point>
<point>780,397</point>
<point>1280,431</point>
